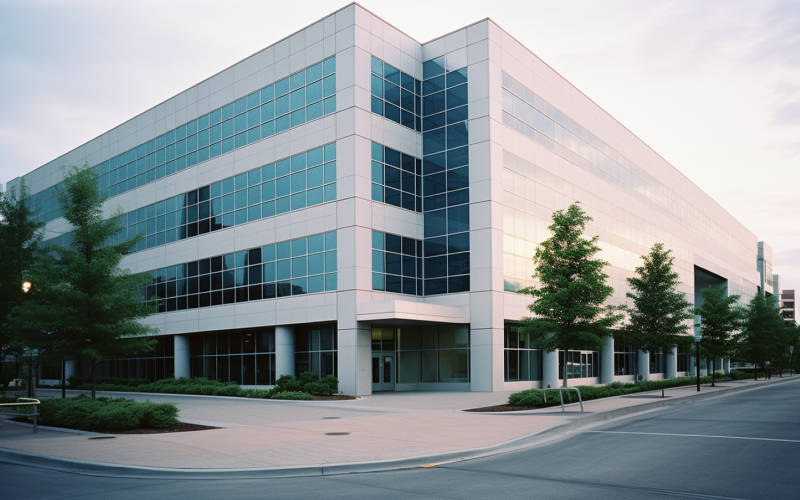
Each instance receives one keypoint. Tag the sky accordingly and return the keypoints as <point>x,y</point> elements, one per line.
<point>712,86</point>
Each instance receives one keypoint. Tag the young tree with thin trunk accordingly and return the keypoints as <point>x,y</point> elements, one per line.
<point>87,308</point>
<point>765,336</point>
<point>658,318</point>
<point>720,320</point>
<point>568,303</point>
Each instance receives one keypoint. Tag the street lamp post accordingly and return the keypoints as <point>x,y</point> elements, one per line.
<point>26,286</point>
<point>791,369</point>
<point>697,337</point>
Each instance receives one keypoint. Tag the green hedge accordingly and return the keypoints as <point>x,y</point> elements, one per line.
<point>535,397</point>
<point>286,387</point>
<point>105,414</point>
<point>75,381</point>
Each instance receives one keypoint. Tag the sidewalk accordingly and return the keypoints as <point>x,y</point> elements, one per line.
<point>410,428</point>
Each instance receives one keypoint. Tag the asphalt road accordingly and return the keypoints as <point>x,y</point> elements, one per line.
<point>742,446</point>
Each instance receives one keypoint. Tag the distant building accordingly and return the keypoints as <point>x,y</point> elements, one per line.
<point>787,305</point>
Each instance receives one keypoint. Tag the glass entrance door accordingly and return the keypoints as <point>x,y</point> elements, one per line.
<point>382,372</point>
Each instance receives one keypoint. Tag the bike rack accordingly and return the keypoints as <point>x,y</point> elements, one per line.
<point>561,395</point>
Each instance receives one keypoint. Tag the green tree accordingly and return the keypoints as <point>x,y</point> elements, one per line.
<point>568,303</point>
<point>87,308</point>
<point>765,336</point>
<point>720,320</point>
<point>20,236</point>
<point>657,321</point>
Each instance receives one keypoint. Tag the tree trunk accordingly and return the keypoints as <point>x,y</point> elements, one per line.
<point>566,381</point>
<point>713,369</point>
<point>94,379</point>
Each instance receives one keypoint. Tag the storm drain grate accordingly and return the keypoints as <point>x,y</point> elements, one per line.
<point>103,437</point>
<point>330,418</point>
<point>337,433</point>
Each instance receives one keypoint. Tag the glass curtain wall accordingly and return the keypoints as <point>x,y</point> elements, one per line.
<point>580,364</point>
<point>315,349</point>
<point>522,361</point>
<point>625,358</point>
<point>246,357</point>
<point>426,354</point>
<point>154,365</point>
<point>301,97</point>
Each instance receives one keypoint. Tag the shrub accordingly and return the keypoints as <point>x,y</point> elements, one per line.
<point>332,383</point>
<point>308,382</point>
<point>105,414</point>
<point>293,395</point>
<point>535,397</point>
<point>316,388</point>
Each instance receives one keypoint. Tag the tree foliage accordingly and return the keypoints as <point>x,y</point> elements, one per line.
<point>765,336</point>
<point>568,305</point>
<point>19,238</point>
<point>720,320</point>
<point>86,307</point>
<point>657,320</point>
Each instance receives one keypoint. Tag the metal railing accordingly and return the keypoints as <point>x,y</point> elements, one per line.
<point>17,413</point>
<point>561,395</point>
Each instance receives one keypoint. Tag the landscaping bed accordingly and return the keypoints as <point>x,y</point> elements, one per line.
<point>533,399</point>
<point>305,387</point>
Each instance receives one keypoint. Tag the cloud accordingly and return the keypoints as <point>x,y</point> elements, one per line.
<point>787,114</point>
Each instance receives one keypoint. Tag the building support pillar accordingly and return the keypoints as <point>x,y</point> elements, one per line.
<point>550,369</point>
<point>355,360</point>
<point>607,361</point>
<point>726,363</point>
<point>671,370</point>
<point>182,360</point>
<point>643,364</point>
<point>284,351</point>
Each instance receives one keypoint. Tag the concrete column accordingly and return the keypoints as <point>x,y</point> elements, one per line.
<point>643,363</point>
<point>672,364</point>
<point>355,360</point>
<point>284,351</point>
<point>550,369</point>
<point>182,360</point>
<point>607,362</point>
<point>727,366</point>
<point>486,350</point>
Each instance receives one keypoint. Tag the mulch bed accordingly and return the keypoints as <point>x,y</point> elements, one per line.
<point>334,397</point>
<point>493,409</point>
<point>163,430</point>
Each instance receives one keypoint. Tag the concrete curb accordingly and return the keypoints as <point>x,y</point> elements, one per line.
<point>82,467</point>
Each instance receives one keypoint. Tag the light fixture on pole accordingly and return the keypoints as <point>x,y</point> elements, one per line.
<point>698,336</point>
<point>26,286</point>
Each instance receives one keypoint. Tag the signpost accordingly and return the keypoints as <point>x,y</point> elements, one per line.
<point>698,336</point>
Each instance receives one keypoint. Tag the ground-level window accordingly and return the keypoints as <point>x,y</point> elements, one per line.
<point>658,362</point>
<point>683,359</point>
<point>427,354</point>
<point>580,364</point>
<point>156,364</point>
<point>246,357</point>
<point>522,361</point>
<point>315,349</point>
<point>624,360</point>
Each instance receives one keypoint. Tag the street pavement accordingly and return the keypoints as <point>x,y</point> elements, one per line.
<point>743,445</point>
<point>277,435</point>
